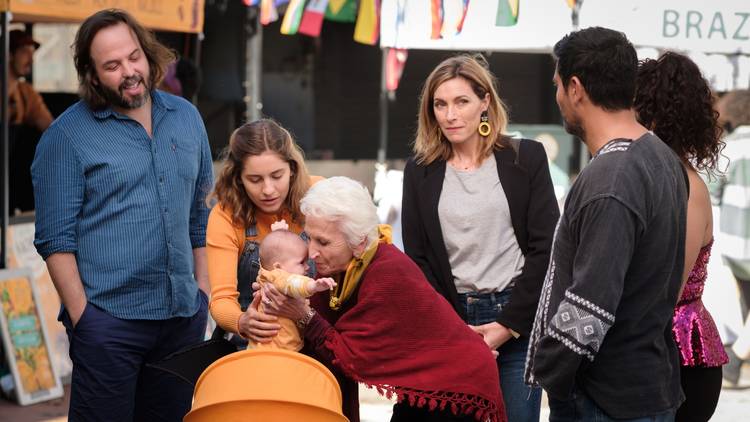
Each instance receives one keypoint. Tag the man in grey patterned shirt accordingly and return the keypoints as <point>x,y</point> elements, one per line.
<point>601,344</point>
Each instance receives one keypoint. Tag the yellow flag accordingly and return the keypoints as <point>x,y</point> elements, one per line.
<point>367,29</point>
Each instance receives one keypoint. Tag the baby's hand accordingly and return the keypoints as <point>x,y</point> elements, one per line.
<point>279,225</point>
<point>323,284</point>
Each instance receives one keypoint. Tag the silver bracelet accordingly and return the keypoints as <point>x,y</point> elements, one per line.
<point>302,322</point>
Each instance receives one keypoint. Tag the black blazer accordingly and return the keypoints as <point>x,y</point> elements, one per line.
<point>534,213</point>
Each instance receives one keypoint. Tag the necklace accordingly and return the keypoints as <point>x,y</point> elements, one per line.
<point>462,166</point>
<point>335,301</point>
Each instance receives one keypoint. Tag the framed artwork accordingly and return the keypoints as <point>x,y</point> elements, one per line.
<point>22,254</point>
<point>25,339</point>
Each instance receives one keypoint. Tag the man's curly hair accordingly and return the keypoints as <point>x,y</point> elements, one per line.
<point>674,100</point>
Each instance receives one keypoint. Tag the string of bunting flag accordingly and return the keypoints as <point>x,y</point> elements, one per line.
<point>444,20</point>
<point>306,16</point>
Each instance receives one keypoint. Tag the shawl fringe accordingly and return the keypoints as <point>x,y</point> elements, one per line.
<point>460,404</point>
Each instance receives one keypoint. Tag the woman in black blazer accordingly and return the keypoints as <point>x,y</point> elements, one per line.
<point>478,215</point>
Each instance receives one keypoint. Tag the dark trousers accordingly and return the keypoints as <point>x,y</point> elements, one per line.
<point>402,412</point>
<point>702,387</point>
<point>581,408</point>
<point>110,379</point>
<point>522,403</point>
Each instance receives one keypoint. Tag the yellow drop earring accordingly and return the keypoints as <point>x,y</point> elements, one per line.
<point>484,128</point>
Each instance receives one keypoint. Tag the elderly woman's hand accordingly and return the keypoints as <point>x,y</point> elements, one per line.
<point>255,326</point>
<point>279,304</point>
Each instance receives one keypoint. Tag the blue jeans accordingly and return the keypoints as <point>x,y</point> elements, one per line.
<point>110,379</point>
<point>522,402</point>
<point>581,408</point>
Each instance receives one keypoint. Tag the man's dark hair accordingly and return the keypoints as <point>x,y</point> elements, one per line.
<point>604,61</point>
<point>158,55</point>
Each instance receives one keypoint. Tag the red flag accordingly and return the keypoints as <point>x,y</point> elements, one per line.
<point>463,17</point>
<point>312,19</point>
<point>394,67</point>
<point>436,8</point>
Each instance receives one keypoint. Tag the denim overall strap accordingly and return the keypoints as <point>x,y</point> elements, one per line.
<point>248,266</point>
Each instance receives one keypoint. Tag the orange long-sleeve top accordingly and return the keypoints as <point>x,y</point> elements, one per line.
<point>224,243</point>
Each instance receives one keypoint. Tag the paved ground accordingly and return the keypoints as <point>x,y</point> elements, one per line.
<point>734,406</point>
<point>49,411</point>
<point>374,408</point>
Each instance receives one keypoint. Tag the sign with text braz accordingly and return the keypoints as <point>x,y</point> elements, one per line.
<point>718,26</point>
<point>169,15</point>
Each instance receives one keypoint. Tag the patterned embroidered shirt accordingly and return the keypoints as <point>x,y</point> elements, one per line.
<point>603,324</point>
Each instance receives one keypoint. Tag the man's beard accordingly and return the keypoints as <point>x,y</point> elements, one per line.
<point>574,128</point>
<point>118,99</point>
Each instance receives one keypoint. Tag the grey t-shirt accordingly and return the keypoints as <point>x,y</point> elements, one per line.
<point>475,220</point>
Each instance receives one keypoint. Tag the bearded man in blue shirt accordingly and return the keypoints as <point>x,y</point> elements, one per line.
<point>120,181</point>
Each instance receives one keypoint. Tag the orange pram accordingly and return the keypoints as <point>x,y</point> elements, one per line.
<point>268,385</point>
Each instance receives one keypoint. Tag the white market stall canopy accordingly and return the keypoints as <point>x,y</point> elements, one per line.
<point>716,26</point>
<point>540,24</point>
<point>166,15</point>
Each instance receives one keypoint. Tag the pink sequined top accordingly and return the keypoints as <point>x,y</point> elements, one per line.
<point>694,330</point>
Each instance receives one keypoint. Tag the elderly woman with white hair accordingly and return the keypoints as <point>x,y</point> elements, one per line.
<point>383,325</point>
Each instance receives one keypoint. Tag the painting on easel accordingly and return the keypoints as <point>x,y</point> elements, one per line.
<point>25,339</point>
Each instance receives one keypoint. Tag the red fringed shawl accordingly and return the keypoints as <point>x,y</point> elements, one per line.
<point>401,337</point>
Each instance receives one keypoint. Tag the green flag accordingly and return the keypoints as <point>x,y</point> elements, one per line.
<point>342,10</point>
<point>507,13</point>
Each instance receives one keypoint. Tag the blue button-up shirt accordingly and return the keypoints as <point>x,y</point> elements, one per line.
<point>129,206</point>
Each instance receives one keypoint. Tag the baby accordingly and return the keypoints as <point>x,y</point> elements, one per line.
<point>283,259</point>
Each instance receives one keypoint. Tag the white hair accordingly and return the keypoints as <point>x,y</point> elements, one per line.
<point>347,203</point>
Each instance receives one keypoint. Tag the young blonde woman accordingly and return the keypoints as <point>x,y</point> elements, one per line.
<point>262,181</point>
<point>479,212</point>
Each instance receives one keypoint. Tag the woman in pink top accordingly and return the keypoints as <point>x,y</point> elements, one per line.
<point>675,102</point>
